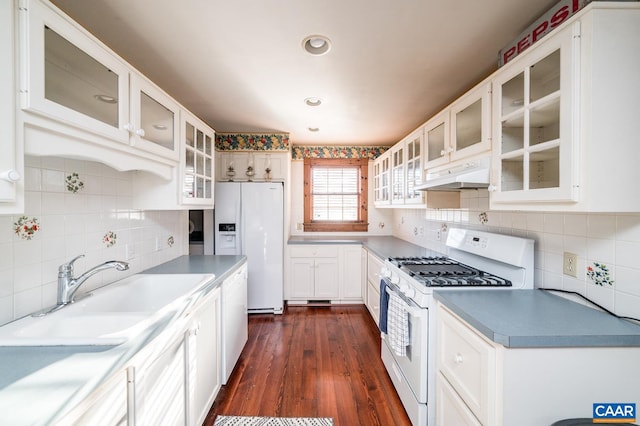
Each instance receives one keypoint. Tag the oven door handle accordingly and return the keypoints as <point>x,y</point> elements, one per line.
<point>411,307</point>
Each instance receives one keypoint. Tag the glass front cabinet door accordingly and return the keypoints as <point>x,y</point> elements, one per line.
<point>154,125</point>
<point>73,83</point>
<point>471,123</point>
<point>534,108</point>
<point>381,182</point>
<point>397,174</point>
<point>413,149</point>
<point>198,163</point>
<point>436,136</point>
<point>70,77</point>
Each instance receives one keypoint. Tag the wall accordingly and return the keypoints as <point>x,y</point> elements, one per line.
<point>612,240</point>
<point>97,221</point>
<point>379,219</point>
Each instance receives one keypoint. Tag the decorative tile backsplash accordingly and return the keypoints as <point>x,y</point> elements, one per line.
<point>252,142</point>
<point>78,207</point>
<point>607,245</point>
<point>370,152</point>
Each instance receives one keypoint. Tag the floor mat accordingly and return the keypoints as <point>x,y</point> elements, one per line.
<point>272,421</point>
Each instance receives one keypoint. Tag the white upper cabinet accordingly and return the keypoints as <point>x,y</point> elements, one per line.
<point>197,161</point>
<point>406,169</point>
<point>382,179</point>
<point>255,166</point>
<point>565,117</point>
<point>398,176</point>
<point>11,160</point>
<point>154,124</point>
<point>70,77</point>
<point>78,98</point>
<point>413,150</point>
<point>534,101</point>
<point>461,130</point>
<point>191,183</point>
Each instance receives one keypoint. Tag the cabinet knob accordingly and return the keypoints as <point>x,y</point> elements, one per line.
<point>492,188</point>
<point>128,127</point>
<point>458,359</point>
<point>443,152</point>
<point>140,132</point>
<point>10,175</point>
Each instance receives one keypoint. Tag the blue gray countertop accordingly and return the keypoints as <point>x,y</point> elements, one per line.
<point>56,378</point>
<point>383,246</point>
<point>537,318</point>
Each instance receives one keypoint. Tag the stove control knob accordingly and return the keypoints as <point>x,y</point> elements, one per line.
<point>410,292</point>
<point>395,279</point>
<point>404,287</point>
<point>385,272</point>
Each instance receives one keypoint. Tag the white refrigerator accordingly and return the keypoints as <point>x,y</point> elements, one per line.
<point>249,220</point>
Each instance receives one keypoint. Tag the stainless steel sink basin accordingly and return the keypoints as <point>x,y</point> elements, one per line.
<point>110,316</point>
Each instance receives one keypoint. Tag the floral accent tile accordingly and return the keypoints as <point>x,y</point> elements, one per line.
<point>252,142</point>
<point>599,274</point>
<point>109,238</point>
<point>73,182</point>
<point>483,218</point>
<point>171,241</point>
<point>370,152</point>
<point>26,227</point>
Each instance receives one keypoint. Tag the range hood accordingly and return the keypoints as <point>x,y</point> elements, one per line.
<point>467,175</point>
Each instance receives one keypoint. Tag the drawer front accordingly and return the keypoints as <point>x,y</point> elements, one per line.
<point>374,266</point>
<point>313,251</point>
<point>450,409</point>
<point>468,362</point>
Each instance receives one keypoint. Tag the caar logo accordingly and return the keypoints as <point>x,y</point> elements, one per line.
<point>606,412</point>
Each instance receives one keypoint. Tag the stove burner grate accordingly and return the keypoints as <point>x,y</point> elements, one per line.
<point>445,272</point>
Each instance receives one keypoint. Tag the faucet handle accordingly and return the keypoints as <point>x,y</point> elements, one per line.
<point>68,267</point>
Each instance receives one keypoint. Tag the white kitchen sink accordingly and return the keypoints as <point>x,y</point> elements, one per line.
<point>109,316</point>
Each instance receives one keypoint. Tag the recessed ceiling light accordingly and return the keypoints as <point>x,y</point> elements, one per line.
<point>316,44</point>
<point>313,129</point>
<point>313,101</point>
<point>106,99</point>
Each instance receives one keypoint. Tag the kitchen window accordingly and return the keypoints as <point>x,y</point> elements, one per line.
<point>335,195</point>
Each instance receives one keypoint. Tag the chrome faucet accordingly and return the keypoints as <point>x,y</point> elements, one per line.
<point>68,285</point>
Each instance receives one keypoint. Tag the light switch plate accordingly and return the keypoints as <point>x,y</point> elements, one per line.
<point>570,264</point>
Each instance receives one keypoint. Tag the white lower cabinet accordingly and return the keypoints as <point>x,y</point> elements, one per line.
<point>480,382</point>
<point>159,384</point>
<point>374,266</point>
<point>106,406</point>
<point>173,380</point>
<point>325,272</point>
<point>351,274</point>
<point>235,320</point>
<point>204,357</point>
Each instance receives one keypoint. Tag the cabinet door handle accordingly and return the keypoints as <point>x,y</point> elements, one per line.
<point>10,175</point>
<point>128,127</point>
<point>140,132</point>
<point>458,358</point>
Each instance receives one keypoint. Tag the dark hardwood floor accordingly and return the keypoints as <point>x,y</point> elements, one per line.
<point>312,362</point>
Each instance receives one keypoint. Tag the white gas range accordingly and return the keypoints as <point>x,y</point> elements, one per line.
<point>475,260</point>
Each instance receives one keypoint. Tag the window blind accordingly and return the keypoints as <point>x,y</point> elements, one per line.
<point>335,193</point>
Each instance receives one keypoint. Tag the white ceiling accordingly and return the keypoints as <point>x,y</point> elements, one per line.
<point>239,64</point>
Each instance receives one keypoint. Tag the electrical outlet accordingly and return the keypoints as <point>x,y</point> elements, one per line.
<point>570,264</point>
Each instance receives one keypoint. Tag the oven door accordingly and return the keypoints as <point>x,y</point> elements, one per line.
<point>413,366</point>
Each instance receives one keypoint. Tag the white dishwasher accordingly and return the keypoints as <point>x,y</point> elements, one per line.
<point>235,321</point>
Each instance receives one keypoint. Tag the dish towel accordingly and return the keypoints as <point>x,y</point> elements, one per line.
<point>398,324</point>
<point>384,305</point>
